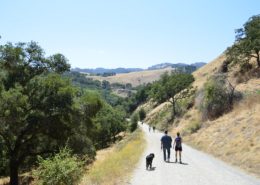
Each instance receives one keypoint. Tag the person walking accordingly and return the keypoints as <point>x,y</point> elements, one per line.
<point>178,147</point>
<point>166,144</point>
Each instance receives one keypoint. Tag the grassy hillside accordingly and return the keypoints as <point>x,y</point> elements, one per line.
<point>135,78</point>
<point>235,136</point>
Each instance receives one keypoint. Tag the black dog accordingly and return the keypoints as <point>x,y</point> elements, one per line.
<point>149,160</point>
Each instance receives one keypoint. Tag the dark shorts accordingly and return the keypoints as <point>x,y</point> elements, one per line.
<point>178,148</point>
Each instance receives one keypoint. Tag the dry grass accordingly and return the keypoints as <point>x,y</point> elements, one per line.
<point>25,178</point>
<point>234,137</point>
<point>135,78</point>
<point>113,168</point>
<point>202,74</point>
<point>4,181</point>
<point>251,86</point>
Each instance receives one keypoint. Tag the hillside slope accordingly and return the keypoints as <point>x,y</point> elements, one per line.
<point>233,137</point>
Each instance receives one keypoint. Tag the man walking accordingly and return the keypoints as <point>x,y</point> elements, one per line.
<point>166,144</point>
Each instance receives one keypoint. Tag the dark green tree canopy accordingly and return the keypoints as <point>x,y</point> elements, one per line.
<point>172,88</point>
<point>39,109</point>
<point>247,44</point>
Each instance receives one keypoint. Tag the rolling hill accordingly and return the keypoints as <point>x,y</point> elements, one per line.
<point>120,70</point>
<point>135,78</point>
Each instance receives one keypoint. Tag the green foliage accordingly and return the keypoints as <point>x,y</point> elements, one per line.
<point>118,85</point>
<point>82,146</point>
<point>109,122</point>
<point>170,85</point>
<point>193,127</point>
<point>139,97</point>
<point>62,169</point>
<point>157,92</point>
<point>40,110</point>
<point>3,159</point>
<point>247,45</point>
<point>106,85</point>
<point>217,98</point>
<point>111,98</point>
<point>142,114</point>
<point>172,88</point>
<point>82,81</point>
<point>128,86</point>
<point>134,122</point>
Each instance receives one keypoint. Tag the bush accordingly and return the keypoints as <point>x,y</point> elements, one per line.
<point>62,169</point>
<point>82,146</point>
<point>194,127</point>
<point>133,123</point>
<point>142,114</point>
<point>218,98</point>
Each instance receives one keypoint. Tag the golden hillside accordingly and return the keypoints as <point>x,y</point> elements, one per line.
<point>135,78</point>
<point>235,136</point>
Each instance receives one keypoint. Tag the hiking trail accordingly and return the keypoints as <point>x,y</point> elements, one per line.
<point>198,168</point>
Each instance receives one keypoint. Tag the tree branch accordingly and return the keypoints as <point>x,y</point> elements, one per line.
<point>253,56</point>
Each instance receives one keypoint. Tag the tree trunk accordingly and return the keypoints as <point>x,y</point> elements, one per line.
<point>13,164</point>
<point>258,59</point>
<point>114,138</point>
<point>173,109</point>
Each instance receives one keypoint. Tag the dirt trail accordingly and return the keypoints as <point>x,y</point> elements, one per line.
<point>198,168</point>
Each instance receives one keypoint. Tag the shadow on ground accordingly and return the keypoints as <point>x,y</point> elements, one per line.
<point>151,169</point>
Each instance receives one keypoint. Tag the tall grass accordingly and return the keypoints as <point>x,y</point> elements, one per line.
<point>115,168</point>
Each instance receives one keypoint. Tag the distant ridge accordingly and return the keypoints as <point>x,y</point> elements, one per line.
<point>120,70</point>
<point>101,70</point>
<point>176,65</point>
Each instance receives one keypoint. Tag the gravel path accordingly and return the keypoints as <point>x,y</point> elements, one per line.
<point>198,168</point>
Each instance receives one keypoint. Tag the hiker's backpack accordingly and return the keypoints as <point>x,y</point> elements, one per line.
<point>178,142</point>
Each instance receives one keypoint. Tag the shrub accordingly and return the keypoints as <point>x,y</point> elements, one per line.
<point>134,121</point>
<point>218,98</point>
<point>82,146</point>
<point>142,114</point>
<point>62,169</point>
<point>194,127</point>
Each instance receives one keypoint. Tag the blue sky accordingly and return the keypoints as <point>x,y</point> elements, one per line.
<point>126,33</point>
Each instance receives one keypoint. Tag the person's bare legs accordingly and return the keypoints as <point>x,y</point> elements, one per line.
<point>180,156</point>
<point>176,156</point>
